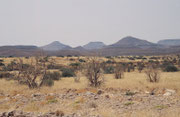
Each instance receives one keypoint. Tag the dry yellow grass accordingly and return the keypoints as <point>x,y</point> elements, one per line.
<point>133,80</point>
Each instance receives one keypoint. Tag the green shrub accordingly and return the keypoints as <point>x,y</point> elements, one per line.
<point>67,72</point>
<point>2,64</point>
<point>50,66</point>
<point>170,68</point>
<point>109,70</point>
<point>48,82</point>
<point>50,77</point>
<point>109,62</point>
<point>81,60</point>
<point>75,64</point>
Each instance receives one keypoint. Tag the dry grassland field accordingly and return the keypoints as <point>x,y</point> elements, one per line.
<point>72,86</point>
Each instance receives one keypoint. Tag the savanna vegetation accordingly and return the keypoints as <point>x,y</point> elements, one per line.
<point>42,74</point>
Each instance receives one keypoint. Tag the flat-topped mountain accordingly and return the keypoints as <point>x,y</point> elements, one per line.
<point>170,42</point>
<point>94,45</point>
<point>55,46</point>
<point>132,42</point>
<point>18,50</point>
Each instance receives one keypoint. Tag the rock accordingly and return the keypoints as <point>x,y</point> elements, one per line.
<point>107,96</point>
<point>100,92</point>
<point>169,92</point>
<point>12,113</point>
<point>89,93</point>
<point>36,95</point>
<point>96,97</point>
<point>147,92</point>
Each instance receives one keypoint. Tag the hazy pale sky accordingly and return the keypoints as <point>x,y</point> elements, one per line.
<point>77,22</point>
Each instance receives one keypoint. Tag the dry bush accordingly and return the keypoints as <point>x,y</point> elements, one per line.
<point>152,74</point>
<point>119,71</point>
<point>94,72</point>
<point>34,74</point>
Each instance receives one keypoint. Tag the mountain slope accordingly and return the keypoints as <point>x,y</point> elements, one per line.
<point>170,42</point>
<point>55,46</point>
<point>94,45</point>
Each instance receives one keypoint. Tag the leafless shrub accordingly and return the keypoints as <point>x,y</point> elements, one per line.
<point>152,74</point>
<point>94,72</point>
<point>34,74</point>
<point>119,71</point>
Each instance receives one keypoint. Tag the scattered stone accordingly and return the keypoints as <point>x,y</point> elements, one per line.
<point>36,95</point>
<point>100,92</point>
<point>107,96</point>
<point>92,102</point>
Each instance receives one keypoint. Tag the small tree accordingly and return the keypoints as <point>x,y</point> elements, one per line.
<point>170,68</point>
<point>94,72</point>
<point>34,74</point>
<point>152,74</point>
<point>119,71</point>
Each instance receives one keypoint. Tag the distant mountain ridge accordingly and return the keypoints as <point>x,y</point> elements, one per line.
<point>170,42</point>
<point>126,46</point>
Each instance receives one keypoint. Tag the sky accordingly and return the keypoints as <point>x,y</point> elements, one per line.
<point>77,22</point>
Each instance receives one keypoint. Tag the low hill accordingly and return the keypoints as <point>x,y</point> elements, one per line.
<point>170,42</point>
<point>94,45</point>
<point>55,46</point>
<point>130,42</point>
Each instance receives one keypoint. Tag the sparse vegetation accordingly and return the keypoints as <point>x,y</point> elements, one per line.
<point>67,72</point>
<point>94,72</point>
<point>109,69</point>
<point>170,68</point>
<point>119,71</point>
<point>152,74</point>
